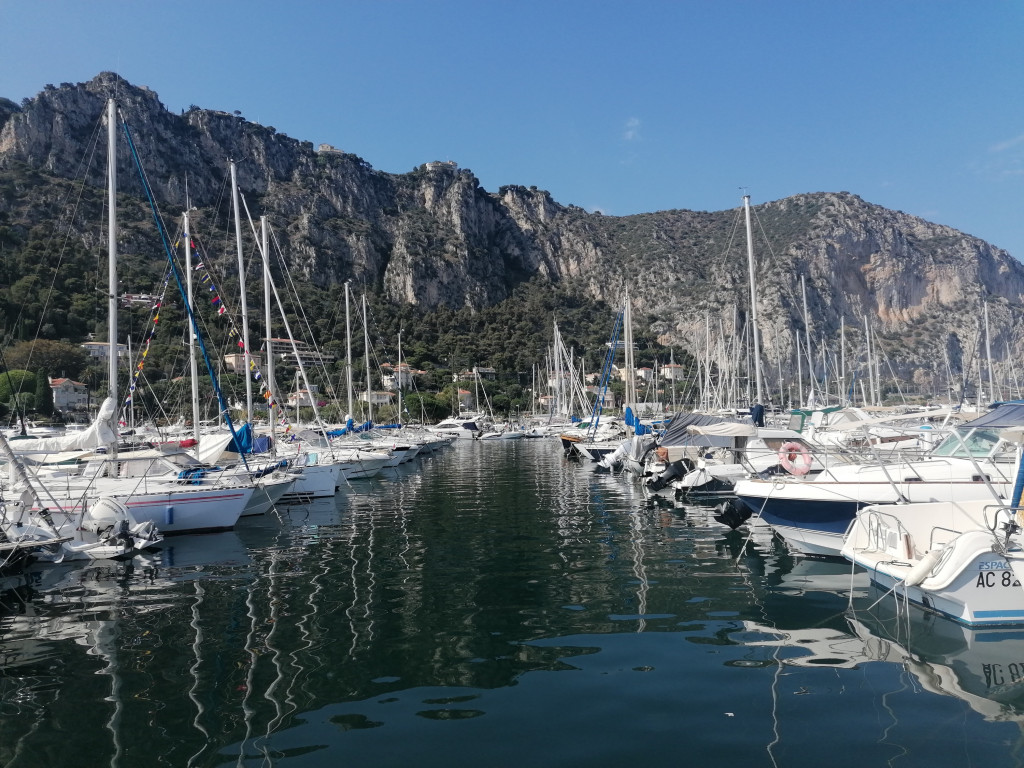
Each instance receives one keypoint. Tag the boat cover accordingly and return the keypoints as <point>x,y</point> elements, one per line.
<point>678,431</point>
<point>1005,416</point>
<point>726,429</point>
<point>99,434</point>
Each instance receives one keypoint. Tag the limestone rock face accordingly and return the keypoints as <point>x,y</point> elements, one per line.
<point>434,237</point>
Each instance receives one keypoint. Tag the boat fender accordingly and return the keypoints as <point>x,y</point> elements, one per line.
<point>795,458</point>
<point>924,567</point>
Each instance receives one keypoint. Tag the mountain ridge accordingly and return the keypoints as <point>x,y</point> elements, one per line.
<point>435,238</point>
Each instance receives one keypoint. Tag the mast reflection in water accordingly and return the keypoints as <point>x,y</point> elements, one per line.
<point>491,605</point>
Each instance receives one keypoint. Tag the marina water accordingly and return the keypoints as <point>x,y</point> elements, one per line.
<point>492,605</point>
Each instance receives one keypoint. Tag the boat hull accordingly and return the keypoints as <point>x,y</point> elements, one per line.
<point>316,481</point>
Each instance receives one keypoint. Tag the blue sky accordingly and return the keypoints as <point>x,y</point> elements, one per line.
<point>625,107</point>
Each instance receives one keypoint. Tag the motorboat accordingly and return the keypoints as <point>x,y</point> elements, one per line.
<point>812,512</point>
<point>963,559</point>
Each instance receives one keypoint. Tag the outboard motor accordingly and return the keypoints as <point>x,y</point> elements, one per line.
<point>614,459</point>
<point>673,471</point>
<point>105,517</point>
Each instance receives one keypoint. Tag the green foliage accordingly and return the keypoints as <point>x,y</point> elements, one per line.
<point>16,382</point>
<point>511,336</point>
<point>44,394</point>
<point>426,407</point>
<point>65,360</point>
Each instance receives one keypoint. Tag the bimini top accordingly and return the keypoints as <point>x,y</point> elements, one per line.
<point>1003,416</point>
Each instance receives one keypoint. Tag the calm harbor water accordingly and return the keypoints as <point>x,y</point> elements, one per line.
<point>493,605</point>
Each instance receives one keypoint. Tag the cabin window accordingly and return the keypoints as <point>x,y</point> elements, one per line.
<point>976,442</point>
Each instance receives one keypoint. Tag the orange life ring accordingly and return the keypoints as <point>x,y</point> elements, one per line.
<point>795,458</point>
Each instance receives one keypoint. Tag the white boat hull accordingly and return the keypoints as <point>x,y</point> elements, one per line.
<point>951,558</point>
<point>317,481</point>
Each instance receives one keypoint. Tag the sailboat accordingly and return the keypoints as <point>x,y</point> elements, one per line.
<point>598,439</point>
<point>140,481</point>
<point>321,473</point>
<point>272,479</point>
<point>105,527</point>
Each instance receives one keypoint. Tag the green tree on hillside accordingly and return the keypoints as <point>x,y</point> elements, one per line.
<point>17,390</point>
<point>44,394</point>
<point>57,357</point>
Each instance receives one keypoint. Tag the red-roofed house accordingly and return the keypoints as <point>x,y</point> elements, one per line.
<point>69,395</point>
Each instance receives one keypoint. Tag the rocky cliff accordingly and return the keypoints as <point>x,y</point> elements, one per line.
<point>434,237</point>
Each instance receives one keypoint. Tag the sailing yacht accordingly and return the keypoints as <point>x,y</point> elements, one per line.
<point>174,503</point>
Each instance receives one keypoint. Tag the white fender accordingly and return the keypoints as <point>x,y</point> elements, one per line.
<point>924,566</point>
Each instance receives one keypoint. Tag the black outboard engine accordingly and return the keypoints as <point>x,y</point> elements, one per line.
<point>673,471</point>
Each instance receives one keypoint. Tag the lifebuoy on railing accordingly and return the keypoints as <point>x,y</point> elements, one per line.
<point>795,458</point>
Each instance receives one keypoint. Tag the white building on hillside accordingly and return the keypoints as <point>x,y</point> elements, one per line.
<point>377,398</point>
<point>100,350</point>
<point>69,395</point>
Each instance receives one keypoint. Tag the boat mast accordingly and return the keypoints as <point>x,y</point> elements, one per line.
<point>112,388</point>
<point>627,337</point>
<point>993,395</point>
<point>870,397</point>
<point>268,348</point>
<point>753,300</point>
<point>193,366</point>
<point>348,353</point>
<point>366,342</point>
<point>706,394</point>
<point>241,284</point>
<point>842,353</point>
<point>799,371</point>
<point>398,379</point>
<point>811,379</point>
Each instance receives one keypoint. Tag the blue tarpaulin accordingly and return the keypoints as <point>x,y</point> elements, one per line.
<point>632,421</point>
<point>243,439</point>
<point>350,428</point>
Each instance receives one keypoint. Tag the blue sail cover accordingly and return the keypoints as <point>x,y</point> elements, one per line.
<point>350,428</point>
<point>243,439</point>
<point>632,421</point>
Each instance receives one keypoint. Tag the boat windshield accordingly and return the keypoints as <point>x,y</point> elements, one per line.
<point>974,443</point>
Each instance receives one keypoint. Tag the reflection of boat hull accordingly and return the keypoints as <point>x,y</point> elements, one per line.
<point>982,666</point>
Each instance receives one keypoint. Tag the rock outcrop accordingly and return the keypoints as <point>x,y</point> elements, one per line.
<point>434,237</point>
